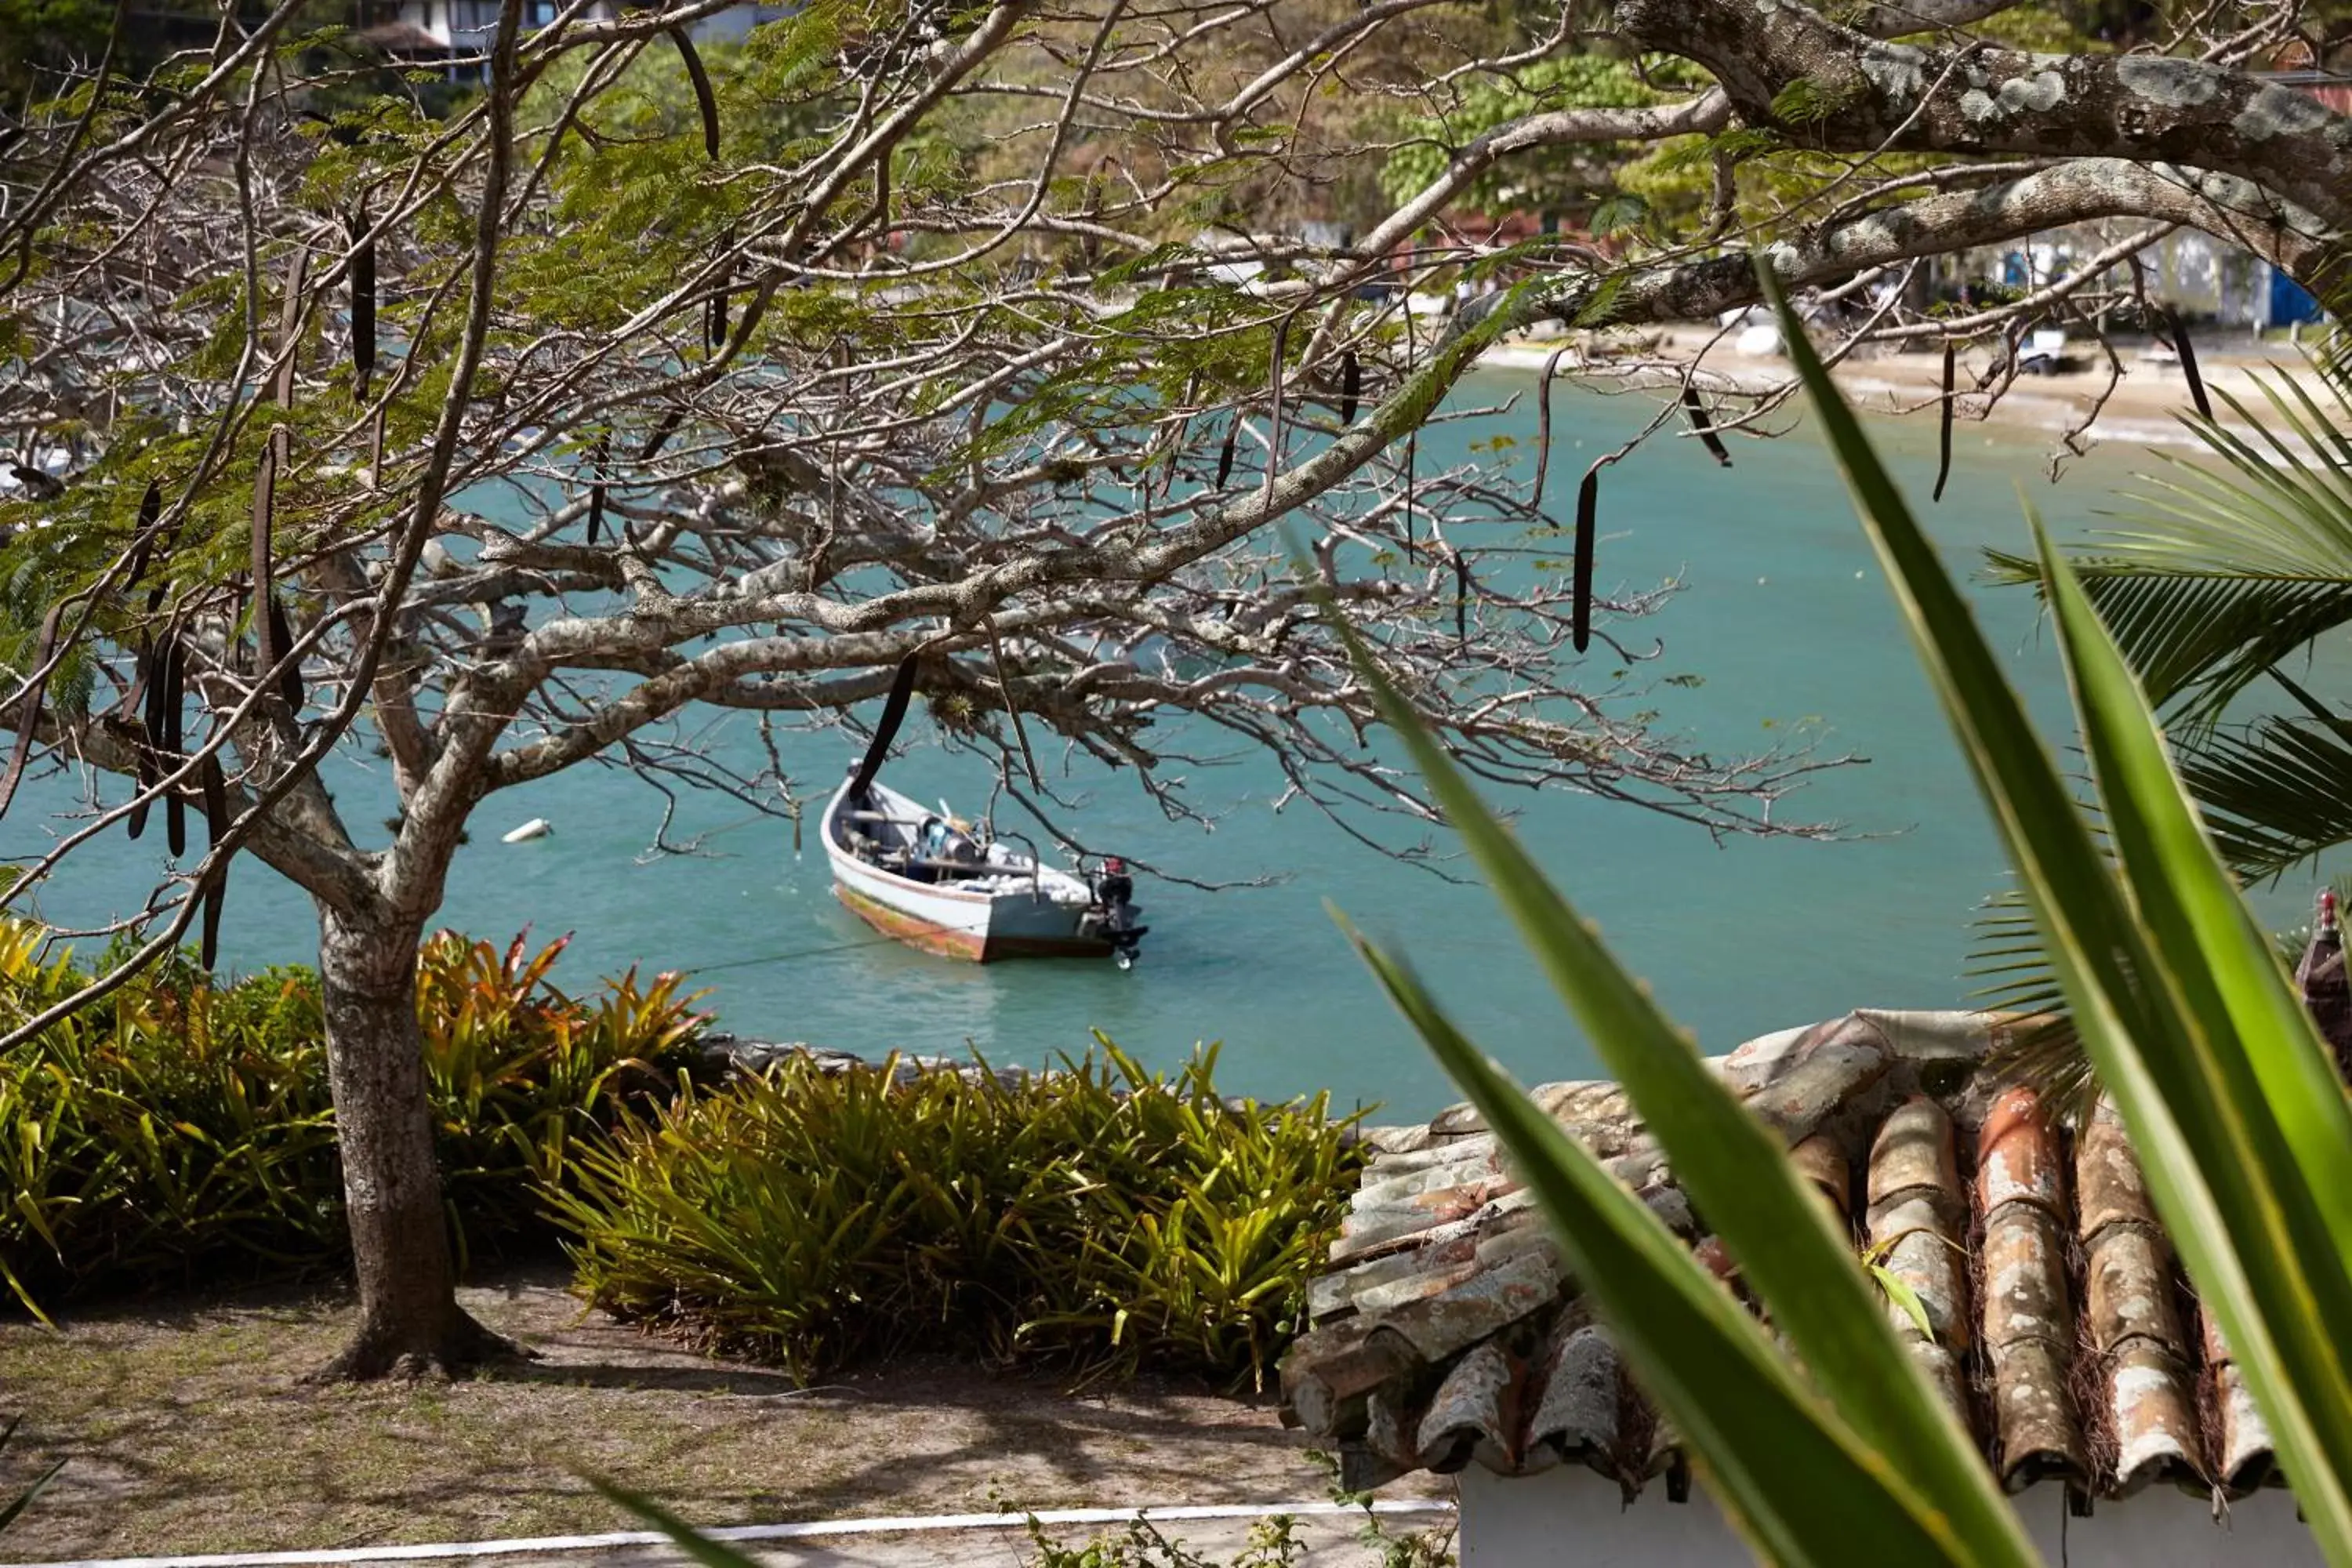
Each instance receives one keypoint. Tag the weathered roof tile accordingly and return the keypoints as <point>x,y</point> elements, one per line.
<point>1462,1315</point>
<point>1447,1330</point>
<point>2154,1420</point>
<point>1913,1154</point>
<point>2017,1156</point>
<point>1473,1412</point>
<point>2109,1187</point>
<point>2242,1457</point>
<point>1576,1411</point>
<point>2127,1290</point>
<point>1817,1079</point>
<point>1821,1159</point>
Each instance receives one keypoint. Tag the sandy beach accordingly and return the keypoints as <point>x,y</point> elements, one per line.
<point>2144,405</point>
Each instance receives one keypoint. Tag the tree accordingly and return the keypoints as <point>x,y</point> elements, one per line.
<point>907,334</point>
<point>506,438</point>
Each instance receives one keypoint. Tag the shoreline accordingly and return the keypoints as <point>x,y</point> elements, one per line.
<point>2145,406</point>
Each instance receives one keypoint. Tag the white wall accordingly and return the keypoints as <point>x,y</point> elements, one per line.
<point>1570,1518</point>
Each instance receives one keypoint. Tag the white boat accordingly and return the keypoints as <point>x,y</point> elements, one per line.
<point>933,883</point>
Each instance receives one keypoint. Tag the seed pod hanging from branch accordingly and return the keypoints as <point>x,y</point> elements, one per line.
<point>215,793</point>
<point>602,464</point>
<point>1225,452</point>
<point>2188,353</point>
<point>154,681</point>
<point>704,98</point>
<point>171,743</point>
<point>714,324</point>
<point>1273,405</point>
<point>290,323</point>
<point>1944,423</point>
<point>143,545</point>
<point>264,507</point>
<point>1543,422</point>
<point>1588,506</point>
<point>28,709</point>
<point>1695,407</point>
<point>1412,481</point>
<point>282,637</point>
<point>362,280</point>
<point>1176,438</point>
<point>154,541</point>
<point>1413,434</point>
<point>1351,386</point>
<point>660,437</point>
<point>143,752</point>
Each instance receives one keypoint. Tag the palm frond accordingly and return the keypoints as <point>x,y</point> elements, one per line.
<point>2199,639</point>
<point>2275,793</point>
<point>2040,1048</point>
<point>2233,567</point>
<point>2235,558</point>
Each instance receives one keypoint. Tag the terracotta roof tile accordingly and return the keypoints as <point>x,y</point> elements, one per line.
<point>1446,1331</point>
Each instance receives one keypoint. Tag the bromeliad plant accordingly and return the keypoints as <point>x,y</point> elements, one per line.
<point>186,1126</point>
<point>1100,1216</point>
<point>519,1072</point>
<point>2230,1095</point>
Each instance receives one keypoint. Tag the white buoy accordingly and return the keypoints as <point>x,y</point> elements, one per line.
<point>536,828</point>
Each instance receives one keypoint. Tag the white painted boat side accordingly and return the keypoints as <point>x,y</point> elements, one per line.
<point>1041,912</point>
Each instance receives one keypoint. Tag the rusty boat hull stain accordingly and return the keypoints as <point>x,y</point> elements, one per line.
<point>950,943</point>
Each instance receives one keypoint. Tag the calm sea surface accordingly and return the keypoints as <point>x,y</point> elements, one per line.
<point>1784,614</point>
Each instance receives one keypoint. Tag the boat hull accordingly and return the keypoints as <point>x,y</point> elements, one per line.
<point>955,922</point>
<point>950,940</point>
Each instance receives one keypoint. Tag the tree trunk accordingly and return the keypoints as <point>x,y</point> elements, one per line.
<point>410,1323</point>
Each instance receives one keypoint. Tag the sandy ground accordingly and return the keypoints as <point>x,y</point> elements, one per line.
<point>187,1431</point>
<point>2141,405</point>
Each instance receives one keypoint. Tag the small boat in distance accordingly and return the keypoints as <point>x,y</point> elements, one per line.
<point>947,887</point>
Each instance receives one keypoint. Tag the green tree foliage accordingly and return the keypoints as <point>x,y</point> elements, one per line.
<point>1568,180</point>
<point>39,38</point>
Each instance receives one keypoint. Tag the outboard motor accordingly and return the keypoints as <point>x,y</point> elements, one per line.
<point>1113,916</point>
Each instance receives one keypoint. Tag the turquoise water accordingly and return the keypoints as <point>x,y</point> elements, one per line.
<point>1783,613</point>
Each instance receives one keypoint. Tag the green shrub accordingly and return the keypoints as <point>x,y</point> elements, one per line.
<point>1100,1216</point>
<point>180,1125</point>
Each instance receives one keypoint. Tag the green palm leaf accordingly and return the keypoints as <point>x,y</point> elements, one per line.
<point>2237,565</point>
<point>2275,794</point>
<point>1878,1437</point>
<point>2235,561</point>
<point>2232,1100</point>
<point>1801,1483</point>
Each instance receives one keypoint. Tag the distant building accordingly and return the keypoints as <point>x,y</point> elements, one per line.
<point>2205,278</point>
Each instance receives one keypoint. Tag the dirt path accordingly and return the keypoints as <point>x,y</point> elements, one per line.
<point>187,1431</point>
